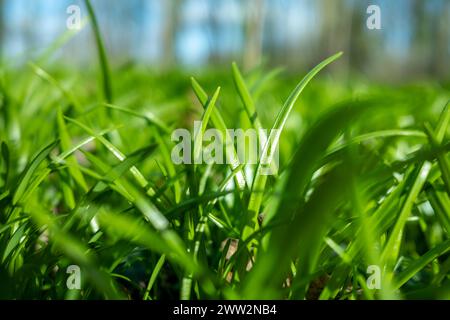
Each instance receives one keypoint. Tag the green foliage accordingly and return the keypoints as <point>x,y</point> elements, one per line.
<point>363,180</point>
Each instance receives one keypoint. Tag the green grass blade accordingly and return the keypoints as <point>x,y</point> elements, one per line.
<point>260,179</point>
<point>444,163</point>
<point>219,124</point>
<point>246,98</point>
<point>66,143</point>
<point>30,170</point>
<point>420,263</point>
<point>312,147</point>
<point>154,275</point>
<point>170,166</point>
<point>104,66</point>
<point>392,248</point>
<point>198,136</point>
<point>441,206</point>
<point>443,123</point>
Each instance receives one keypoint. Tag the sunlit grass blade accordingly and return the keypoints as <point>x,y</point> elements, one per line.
<point>153,277</point>
<point>260,179</point>
<point>5,165</point>
<point>444,163</point>
<point>198,136</point>
<point>392,248</point>
<point>219,124</point>
<point>66,143</point>
<point>441,206</point>
<point>312,147</point>
<point>420,263</point>
<point>246,98</point>
<point>104,65</point>
<point>165,152</point>
<point>30,170</point>
<point>48,78</point>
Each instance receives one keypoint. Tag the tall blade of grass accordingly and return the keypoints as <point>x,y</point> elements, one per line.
<point>443,124</point>
<point>195,233</point>
<point>30,170</point>
<point>67,190</point>
<point>5,165</point>
<point>392,248</point>
<point>441,207</point>
<point>260,179</point>
<point>246,98</point>
<point>170,166</point>
<point>219,124</point>
<point>153,277</point>
<point>13,242</point>
<point>250,109</point>
<point>198,136</point>
<point>48,78</point>
<point>444,163</point>
<point>420,263</point>
<point>66,143</point>
<point>104,66</point>
<point>298,221</point>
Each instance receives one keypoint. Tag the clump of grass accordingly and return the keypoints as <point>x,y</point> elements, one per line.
<point>362,183</point>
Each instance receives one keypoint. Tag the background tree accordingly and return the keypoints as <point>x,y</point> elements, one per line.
<point>172,13</point>
<point>254,32</point>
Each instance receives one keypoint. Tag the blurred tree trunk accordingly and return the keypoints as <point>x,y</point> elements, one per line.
<point>254,33</point>
<point>421,50</point>
<point>440,39</point>
<point>2,29</point>
<point>170,28</point>
<point>358,45</point>
<point>274,51</point>
<point>336,28</point>
<point>214,54</point>
<point>330,36</point>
